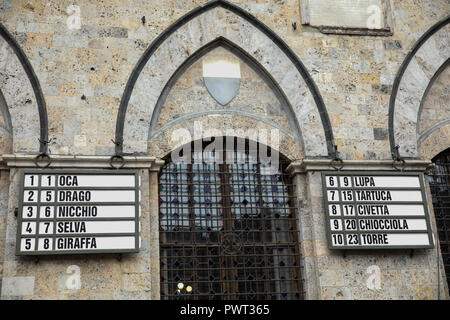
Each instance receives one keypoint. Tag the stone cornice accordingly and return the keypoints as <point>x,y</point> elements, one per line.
<point>82,162</point>
<point>154,164</point>
<point>356,165</point>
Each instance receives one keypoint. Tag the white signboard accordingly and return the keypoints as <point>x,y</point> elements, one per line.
<point>376,210</point>
<point>80,211</point>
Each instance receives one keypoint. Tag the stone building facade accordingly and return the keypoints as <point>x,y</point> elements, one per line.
<point>84,80</point>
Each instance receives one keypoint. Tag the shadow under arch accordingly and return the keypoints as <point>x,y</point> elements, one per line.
<point>246,58</point>
<point>6,131</point>
<point>40,101</point>
<point>220,217</point>
<point>326,124</point>
<point>399,76</point>
<point>5,114</point>
<point>200,145</point>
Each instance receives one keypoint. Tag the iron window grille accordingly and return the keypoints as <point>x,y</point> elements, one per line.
<point>439,179</point>
<point>228,231</point>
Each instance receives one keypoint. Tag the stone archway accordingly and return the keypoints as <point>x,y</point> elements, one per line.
<point>259,107</point>
<point>427,56</point>
<point>220,19</point>
<point>433,121</point>
<point>5,127</point>
<point>22,96</point>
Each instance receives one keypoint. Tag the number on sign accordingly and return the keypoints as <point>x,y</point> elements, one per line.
<point>45,227</point>
<point>29,212</point>
<point>31,180</point>
<point>27,244</point>
<point>47,181</point>
<point>45,244</point>
<point>47,212</point>
<point>338,239</point>
<point>352,239</point>
<point>28,228</point>
<point>47,196</point>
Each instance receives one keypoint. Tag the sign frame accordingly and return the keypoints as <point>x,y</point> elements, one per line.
<point>54,235</point>
<point>354,202</point>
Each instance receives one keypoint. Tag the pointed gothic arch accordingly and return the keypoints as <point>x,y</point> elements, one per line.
<point>423,63</point>
<point>23,96</point>
<point>203,25</point>
<point>293,145</point>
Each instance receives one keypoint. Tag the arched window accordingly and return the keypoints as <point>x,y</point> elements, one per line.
<point>439,179</point>
<point>227,230</point>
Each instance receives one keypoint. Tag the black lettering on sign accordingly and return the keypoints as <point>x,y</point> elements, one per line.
<point>77,211</point>
<point>364,182</point>
<point>374,239</point>
<point>76,243</point>
<point>79,196</point>
<point>68,181</point>
<point>374,210</point>
<point>373,195</point>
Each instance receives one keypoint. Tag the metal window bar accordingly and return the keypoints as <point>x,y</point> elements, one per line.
<point>228,231</point>
<point>439,179</point>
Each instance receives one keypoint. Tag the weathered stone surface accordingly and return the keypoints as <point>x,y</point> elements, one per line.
<point>267,55</point>
<point>412,88</point>
<point>83,73</point>
<point>339,57</point>
<point>436,105</point>
<point>20,100</point>
<point>17,286</point>
<point>435,142</point>
<point>352,276</point>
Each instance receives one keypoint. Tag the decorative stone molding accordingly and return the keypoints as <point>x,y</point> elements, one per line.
<point>349,17</point>
<point>355,165</point>
<point>82,162</point>
<point>435,104</point>
<point>23,96</point>
<point>433,120</point>
<point>196,30</point>
<point>430,52</point>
